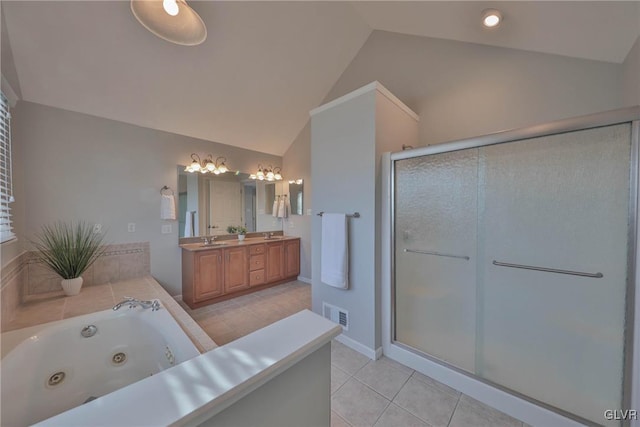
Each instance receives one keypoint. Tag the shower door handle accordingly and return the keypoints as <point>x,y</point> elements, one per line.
<point>417,251</point>
<point>548,270</point>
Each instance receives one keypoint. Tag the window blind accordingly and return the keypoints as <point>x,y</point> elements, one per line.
<point>6,185</point>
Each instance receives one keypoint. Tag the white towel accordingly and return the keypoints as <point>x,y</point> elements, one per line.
<point>282,208</point>
<point>168,207</point>
<point>334,255</point>
<point>276,203</point>
<point>188,224</point>
<point>287,207</point>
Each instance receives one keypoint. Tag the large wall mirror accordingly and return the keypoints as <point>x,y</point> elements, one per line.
<point>208,203</point>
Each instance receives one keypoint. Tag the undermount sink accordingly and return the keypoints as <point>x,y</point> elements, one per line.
<point>206,245</point>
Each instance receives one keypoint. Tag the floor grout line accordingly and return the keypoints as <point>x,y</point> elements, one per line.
<point>454,409</point>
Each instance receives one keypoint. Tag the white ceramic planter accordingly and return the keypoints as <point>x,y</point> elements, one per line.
<point>241,236</point>
<point>71,286</point>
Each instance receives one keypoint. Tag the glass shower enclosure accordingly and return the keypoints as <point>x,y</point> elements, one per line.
<point>513,260</point>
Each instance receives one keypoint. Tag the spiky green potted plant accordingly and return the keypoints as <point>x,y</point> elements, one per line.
<point>68,249</point>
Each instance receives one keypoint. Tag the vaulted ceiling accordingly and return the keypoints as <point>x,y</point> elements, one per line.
<point>264,65</point>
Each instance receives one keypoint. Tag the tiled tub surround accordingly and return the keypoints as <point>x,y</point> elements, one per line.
<point>127,346</point>
<point>13,275</point>
<point>102,297</point>
<point>25,279</point>
<point>119,262</point>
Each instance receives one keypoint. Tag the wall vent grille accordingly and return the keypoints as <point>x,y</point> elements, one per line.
<point>336,314</point>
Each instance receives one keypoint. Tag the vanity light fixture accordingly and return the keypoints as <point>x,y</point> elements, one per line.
<point>171,20</point>
<point>207,165</point>
<point>267,173</point>
<point>491,18</point>
<point>296,181</point>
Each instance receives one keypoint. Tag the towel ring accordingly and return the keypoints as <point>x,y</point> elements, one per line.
<point>165,188</point>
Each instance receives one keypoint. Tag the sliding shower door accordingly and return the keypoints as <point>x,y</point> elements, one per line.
<point>559,202</point>
<point>435,241</point>
<point>511,263</point>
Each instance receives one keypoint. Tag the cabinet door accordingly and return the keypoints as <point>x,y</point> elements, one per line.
<point>292,258</point>
<point>275,261</point>
<point>235,269</point>
<point>208,277</point>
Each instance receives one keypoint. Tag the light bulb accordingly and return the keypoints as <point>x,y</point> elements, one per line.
<point>252,176</point>
<point>260,174</point>
<point>491,18</point>
<point>171,7</point>
<point>270,175</point>
<point>223,168</point>
<point>211,167</point>
<point>195,166</point>
<point>277,176</point>
<point>216,171</point>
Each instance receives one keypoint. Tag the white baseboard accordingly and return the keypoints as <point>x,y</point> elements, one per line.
<point>360,348</point>
<point>304,279</point>
<point>178,297</point>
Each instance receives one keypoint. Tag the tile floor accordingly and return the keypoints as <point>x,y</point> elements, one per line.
<point>380,393</point>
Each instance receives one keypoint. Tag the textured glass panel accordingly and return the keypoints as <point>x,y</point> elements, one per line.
<point>435,210</point>
<point>560,202</point>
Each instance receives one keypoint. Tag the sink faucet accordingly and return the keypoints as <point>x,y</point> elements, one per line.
<point>132,302</point>
<point>209,240</point>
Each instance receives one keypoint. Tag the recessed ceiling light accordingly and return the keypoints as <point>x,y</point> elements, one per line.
<point>491,18</point>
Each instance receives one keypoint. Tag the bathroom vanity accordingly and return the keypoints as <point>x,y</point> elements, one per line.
<point>219,271</point>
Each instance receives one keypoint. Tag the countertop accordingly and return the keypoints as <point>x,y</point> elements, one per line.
<point>195,247</point>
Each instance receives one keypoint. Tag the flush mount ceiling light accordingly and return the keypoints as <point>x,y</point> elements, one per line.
<point>491,18</point>
<point>172,20</point>
<point>208,165</point>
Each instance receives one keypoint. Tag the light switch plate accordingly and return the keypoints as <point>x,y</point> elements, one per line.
<point>131,227</point>
<point>166,229</point>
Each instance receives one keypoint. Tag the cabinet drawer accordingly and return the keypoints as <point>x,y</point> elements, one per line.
<point>256,278</point>
<point>256,249</point>
<point>256,262</point>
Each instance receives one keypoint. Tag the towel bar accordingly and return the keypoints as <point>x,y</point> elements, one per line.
<point>416,251</point>
<point>165,188</point>
<point>548,270</point>
<point>353,215</point>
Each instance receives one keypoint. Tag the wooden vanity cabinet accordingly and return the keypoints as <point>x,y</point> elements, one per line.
<point>204,270</point>
<point>235,269</point>
<point>292,258</point>
<point>216,274</point>
<point>275,261</point>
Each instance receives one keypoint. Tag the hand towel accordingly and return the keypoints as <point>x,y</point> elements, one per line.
<point>282,208</point>
<point>334,254</point>
<point>167,207</point>
<point>275,207</point>
<point>287,207</point>
<point>188,224</point>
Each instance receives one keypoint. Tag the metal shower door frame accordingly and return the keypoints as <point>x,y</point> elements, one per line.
<point>631,373</point>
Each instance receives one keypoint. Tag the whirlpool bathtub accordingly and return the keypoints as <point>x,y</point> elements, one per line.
<point>55,367</point>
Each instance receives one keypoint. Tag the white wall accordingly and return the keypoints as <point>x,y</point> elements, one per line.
<point>631,76</point>
<point>81,167</point>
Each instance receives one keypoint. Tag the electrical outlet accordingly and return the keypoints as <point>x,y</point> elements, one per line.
<point>166,229</point>
<point>131,227</point>
<point>97,228</point>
